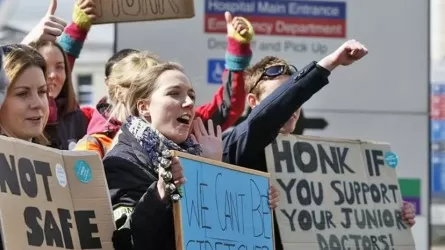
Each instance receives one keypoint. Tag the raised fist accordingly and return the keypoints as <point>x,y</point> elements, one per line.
<point>349,52</point>
<point>237,24</point>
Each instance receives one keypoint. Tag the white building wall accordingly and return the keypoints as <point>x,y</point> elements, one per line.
<point>437,27</point>
<point>91,63</point>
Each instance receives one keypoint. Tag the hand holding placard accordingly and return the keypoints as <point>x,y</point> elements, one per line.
<point>409,213</point>
<point>274,196</point>
<point>88,7</point>
<point>176,174</point>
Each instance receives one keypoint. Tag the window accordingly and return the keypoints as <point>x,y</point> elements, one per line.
<point>85,89</point>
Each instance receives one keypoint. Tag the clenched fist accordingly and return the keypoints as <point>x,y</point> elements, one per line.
<point>349,52</point>
<point>346,54</point>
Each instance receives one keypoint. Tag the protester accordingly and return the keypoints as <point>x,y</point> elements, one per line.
<point>224,109</point>
<point>101,127</point>
<point>276,92</point>
<point>103,104</point>
<point>67,123</point>
<point>25,111</point>
<point>72,37</point>
<point>75,34</point>
<point>160,104</point>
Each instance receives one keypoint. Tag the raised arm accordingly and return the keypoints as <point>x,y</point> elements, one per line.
<point>261,127</point>
<point>228,102</point>
<point>49,28</point>
<point>75,34</point>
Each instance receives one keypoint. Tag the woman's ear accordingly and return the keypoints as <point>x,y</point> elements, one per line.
<point>143,107</point>
<point>252,100</point>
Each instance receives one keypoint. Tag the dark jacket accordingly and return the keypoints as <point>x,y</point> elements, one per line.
<point>67,128</point>
<point>143,220</point>
<point>244,145</point>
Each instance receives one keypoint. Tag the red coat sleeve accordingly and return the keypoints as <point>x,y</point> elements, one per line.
<point>228,103</point>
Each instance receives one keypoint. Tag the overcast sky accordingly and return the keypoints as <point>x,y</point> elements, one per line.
<point>28,13</point>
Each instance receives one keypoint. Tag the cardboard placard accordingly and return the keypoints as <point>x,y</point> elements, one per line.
<point>120,11</point>
<point>223,206</point>
<point>337,194</point>
<point>52,199</point>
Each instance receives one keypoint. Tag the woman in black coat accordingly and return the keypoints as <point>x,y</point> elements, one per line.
<point>141,175</point>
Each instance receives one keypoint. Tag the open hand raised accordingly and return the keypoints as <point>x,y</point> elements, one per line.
<point>210,141</point>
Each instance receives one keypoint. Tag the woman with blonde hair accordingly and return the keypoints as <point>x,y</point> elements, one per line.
<point>110,112</point>
<point>160,108</point>
<point>121,81</point>
<point>25,109</point>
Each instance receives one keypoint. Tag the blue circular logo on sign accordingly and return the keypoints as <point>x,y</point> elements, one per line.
<point>83,171</point>
<point>391,159</point>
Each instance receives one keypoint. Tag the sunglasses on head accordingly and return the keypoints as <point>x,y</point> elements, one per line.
<point>274,71</point>
<point>6,49</point>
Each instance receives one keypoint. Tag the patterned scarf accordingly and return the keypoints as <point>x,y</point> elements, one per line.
<point>155,143</point>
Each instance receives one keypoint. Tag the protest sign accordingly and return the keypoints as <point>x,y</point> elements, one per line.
<point>52,199</point>
<point>119,11</point>
<point>337,194</point>
<point>223,207</point>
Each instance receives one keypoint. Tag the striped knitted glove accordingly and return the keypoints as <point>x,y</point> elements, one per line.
<point>81,18</point>
<point>75,34</point>
<point>239,34</point>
